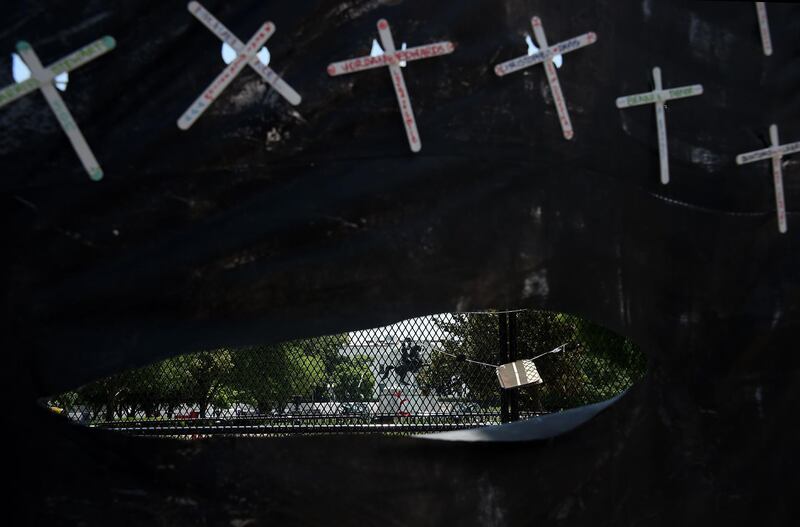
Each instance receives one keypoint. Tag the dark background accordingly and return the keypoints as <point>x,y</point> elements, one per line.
<point>225,237</point>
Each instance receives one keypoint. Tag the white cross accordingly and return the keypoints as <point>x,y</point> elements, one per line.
<point>763,27</point>
<point>42,79</point>
<point>247,56</point>
<point>776,151</point>
<point>658,97</point>
<point>393,59</point>
<point>545,56</point>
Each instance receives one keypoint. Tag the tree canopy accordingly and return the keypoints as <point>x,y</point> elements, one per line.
<point>266,377</point>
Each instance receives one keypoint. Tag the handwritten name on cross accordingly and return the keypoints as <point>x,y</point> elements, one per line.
<point>658,97</point>
<point>42,79</point>
<point>247,55</point>
<point>775,152</point>
<point>392,59</point>
<point>763,28</point>
<point>545,56</point>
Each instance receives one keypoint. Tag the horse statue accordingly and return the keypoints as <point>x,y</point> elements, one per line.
<point>410,362</point>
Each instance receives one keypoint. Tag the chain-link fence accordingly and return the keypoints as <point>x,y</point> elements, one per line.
<point>420,375</point>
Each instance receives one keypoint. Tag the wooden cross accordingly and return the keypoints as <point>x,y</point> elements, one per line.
<point>545,56</point>
<point>42,79</point>
<point>392,58</point>
<point>658,97</point>
<point>247,55</point>
<point>776,151</point>
<point>763,27</point>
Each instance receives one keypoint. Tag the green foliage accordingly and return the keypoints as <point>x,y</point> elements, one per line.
<point>326,348</point>
<point>352,379</point>
<point>103,396</point>
<point>474,337</point>
<point>598,363</point>
<point>269,376</point>
<point>306,372</point>
<point>64,400</point>
<point>207,373</point>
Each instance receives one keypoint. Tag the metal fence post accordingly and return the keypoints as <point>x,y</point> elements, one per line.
<point>502,350</point>
<point>513,337</point>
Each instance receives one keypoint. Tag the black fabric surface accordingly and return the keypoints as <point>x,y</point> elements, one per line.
<point>266,222</point>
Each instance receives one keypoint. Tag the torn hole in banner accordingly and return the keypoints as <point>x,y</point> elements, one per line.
<point>428,374</point>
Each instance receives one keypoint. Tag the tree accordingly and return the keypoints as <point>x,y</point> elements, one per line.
<point>448,375</point>
<point>326,348</point>
<point>208,373</point>
<point>162,385</point>
<point>352,379</point>
<point>104,395</point>
<point>269,376</point>
<point>266,376</point>
<point>597,364</point>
